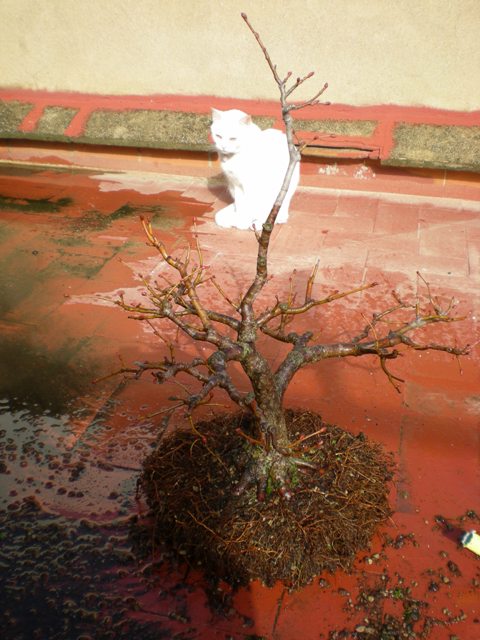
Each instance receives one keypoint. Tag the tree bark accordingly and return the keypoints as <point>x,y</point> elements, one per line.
<point>269,414</point>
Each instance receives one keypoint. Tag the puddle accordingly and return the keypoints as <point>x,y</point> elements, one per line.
<point>40,379</point>
<point>66,506</point>
<point>71,564</point>
<point>62,580</point>
<point>70,450</point>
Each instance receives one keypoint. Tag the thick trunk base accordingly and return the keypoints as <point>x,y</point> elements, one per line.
<point>191,484</point>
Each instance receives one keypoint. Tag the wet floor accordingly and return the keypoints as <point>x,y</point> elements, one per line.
<point>71,449</point>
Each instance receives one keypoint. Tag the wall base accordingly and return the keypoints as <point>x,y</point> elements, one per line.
<point>397,136</point>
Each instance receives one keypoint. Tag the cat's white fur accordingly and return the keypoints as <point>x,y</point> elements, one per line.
<point>254,163</point>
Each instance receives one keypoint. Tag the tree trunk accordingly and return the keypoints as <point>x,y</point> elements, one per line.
<point>270,418</point>
<point>271,465</point>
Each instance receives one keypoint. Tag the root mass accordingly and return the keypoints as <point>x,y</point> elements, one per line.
<point>338,498</point>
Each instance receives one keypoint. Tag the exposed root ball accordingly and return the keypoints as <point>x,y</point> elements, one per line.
<point>334,511</point>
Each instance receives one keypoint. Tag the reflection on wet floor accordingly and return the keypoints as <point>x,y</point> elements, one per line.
<point>68,568</point>
<point>42,456</point>
<point>70,450</point>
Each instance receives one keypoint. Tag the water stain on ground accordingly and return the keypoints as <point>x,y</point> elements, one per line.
<point>68,469</point>
<point>99,221</point>
<point>34,205</point>
<point>44,380</point>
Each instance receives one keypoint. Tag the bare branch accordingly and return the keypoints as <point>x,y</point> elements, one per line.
<point>298,82</point>
<point>248,328</point>
<point>381,346</point>
<point>190,280</point>
<point>273,67</point>
<point>392,378</point>
<point>310,282</point>
<point>285,309</point>
<point>224,295</point>
<point>311,102</point>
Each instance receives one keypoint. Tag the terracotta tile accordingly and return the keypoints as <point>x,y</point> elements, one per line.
<point>443,239</point>
<point>390,279</point>
<point>434,214</point>
<point>445,265</point>
<point>395,260</point>
<point>261,605</point>
<point>458,185</point>
<point>314,202</point>
<point>342,278</point>
<point>402,243</point>
<point>474,261</point>
<point>338,250</point>
<point>395,218</point>
<point>362,207</point>
<point>426,448</point>
<point>308,246</point>
<point>349,225</point>
<point>201,193</point>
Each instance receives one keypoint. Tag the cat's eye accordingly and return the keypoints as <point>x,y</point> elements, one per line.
<point>232,139</point>
<point>219,137</point>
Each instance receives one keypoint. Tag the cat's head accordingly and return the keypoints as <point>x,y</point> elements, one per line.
<point>230,130</point>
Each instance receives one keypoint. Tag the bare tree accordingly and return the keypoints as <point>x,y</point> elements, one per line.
<point>233,336</point>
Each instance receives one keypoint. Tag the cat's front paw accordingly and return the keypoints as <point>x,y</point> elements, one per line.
<point>226,217</point>
<point>258,224</point>
<point>243,223</point>
<point>229,217</point>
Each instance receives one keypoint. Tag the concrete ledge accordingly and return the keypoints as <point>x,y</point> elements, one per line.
<point>11,116</point>
<point>436,146</point>
<point>397,136</point>
<point>144,128</point>
<point>361,128</point>
<point>54,121</point>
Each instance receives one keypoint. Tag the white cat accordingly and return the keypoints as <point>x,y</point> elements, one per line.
<point>255,163</point>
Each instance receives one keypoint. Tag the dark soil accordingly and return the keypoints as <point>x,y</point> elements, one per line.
<point>334,511</point>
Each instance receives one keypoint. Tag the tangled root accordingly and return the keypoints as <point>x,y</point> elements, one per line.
<point>201,488</point>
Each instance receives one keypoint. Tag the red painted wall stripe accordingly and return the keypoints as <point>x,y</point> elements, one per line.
<point>381,140</point>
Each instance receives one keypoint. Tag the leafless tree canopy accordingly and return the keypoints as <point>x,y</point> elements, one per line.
<point>233,335</point>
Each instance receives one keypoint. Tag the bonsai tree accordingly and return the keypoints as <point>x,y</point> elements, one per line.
<point>274,461</point>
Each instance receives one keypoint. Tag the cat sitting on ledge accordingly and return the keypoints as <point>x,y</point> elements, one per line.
<point>254,163</point>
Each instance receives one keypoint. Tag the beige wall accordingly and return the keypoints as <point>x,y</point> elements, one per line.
<point>406,52</point>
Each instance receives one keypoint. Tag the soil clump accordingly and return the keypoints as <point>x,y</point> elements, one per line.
<point>337,503</point>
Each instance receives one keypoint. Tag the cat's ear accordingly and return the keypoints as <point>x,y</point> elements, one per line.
<point>246,119</point>
<point>216,114</point>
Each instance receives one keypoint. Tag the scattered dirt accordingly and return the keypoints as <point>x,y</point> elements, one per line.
<point>333,513</point>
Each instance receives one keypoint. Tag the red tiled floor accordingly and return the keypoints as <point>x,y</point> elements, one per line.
<point>394,219</point>
<point>55,265</point>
